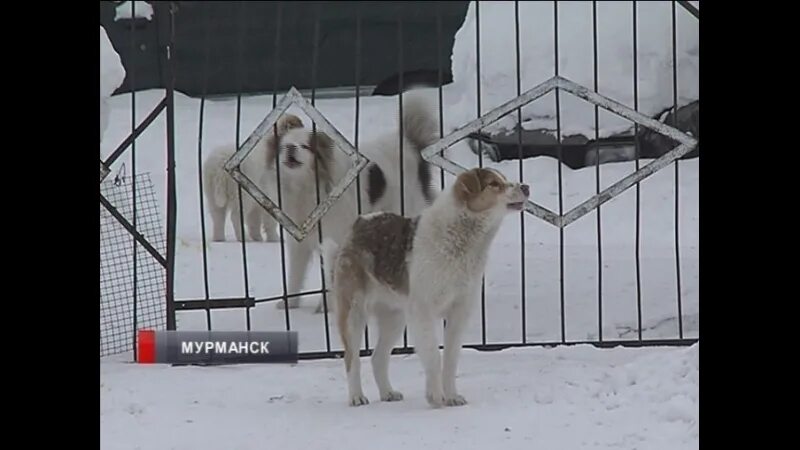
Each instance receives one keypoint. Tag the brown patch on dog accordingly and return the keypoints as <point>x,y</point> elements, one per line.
<point>479,189</point>
<point>385,240</point>
<point>281,127</point>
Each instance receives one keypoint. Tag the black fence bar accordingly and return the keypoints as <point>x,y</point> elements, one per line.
<point>480,144</point>
<point>505,346</point>
<point>203,235</point>
<point>595,69</point>
<point>240,81</point>
<point>314,61</point>
<point>400,88</point>
<point>637,149</point>
<point>136,132</point>
<point>133,187</point>
<point>690,7</point>
<point>355,141</point>
<point>440,82</point>
<point>677,171</point>
<point>172,193</point>
<point>559,152</point>
<point>523,303</point>
<point>217,303</point>
<point>277,63</point>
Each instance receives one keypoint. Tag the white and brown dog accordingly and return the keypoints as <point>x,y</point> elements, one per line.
<point>222,193</point>
<point>309,167</point>
<point>423,269</point>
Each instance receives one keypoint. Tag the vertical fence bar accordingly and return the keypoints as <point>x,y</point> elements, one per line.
<point>357,119</point>
<point>314,60</point>
<point>240,83</point>
<point>597,180</point>
<point>480,145</point>
<point>358,100</point>
<point>638,186</point>
<point>440,78</point>
<point>440,94</point>
<point>559,151</point>
<point>171,182</point>
<point>133,184</point>
<point>400,129</point>
<point>276,68</point>
<point>677,185</point>
<point>203,236</point>
<point>519,156</point>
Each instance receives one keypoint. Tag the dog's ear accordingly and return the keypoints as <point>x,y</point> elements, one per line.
<point>321,144</point>
<point>287,122</point>
<point>468,185</point>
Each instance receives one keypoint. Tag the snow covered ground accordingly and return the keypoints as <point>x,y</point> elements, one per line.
<point>564,398</point>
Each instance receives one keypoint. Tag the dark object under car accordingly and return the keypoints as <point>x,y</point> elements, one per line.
<point>578,151</point>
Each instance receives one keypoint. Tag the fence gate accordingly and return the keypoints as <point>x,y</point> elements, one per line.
<point>139,225</point>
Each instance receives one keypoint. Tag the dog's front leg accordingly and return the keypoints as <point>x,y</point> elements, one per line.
<point>271,228</point>
<point>422,325</point>
<point>456,318</point>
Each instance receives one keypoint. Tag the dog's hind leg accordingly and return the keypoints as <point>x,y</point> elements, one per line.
<point>356,322</point>
<point>390,327</point>
<point>236,218</point>
<point>351,315</point>
<point>218,222</point>
<point>254,214</point>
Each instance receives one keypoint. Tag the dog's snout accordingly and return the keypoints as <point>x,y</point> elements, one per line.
<point>525,189</point>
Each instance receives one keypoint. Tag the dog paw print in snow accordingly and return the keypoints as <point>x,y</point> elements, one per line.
<point>134,409</point>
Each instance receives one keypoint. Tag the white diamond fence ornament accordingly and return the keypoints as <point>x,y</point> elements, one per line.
<point>293,97</point>
<point>686,144</point>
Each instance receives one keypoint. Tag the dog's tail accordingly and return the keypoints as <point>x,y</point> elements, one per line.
<point>218,184</point>
<point>420,120</point>
<point>421,128</point>
<point>222,191</point>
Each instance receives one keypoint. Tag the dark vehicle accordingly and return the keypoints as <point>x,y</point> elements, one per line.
<point>225,48</point>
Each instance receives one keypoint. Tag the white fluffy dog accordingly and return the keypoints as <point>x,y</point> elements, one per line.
<point>426,269</point>
<point>222,194</point>
<point>305,157</point>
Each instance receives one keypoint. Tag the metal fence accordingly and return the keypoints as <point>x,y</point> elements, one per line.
<point>250,260</point>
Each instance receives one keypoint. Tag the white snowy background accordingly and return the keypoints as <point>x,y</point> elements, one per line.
<point>569,397</point>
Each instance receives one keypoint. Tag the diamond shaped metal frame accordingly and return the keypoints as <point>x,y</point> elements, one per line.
<point>686,144</point>
<point>233,165</point>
